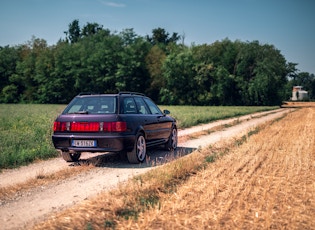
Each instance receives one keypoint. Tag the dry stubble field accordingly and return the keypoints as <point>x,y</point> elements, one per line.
<point>266,183</point>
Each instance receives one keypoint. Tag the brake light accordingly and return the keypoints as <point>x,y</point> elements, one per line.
<point>119,126</point>
<point>116,126</point>
<point>60,126</point>
<point>85,126</point>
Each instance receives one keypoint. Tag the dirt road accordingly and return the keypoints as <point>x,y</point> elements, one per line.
<point>29,206</point>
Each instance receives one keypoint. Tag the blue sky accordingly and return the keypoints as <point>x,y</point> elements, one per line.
<point>289,25</point>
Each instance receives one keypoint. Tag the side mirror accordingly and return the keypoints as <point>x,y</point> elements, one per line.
<point>166,112</point>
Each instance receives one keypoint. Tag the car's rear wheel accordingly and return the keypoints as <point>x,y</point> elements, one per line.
<point>171,144</point>
<point>71,156</point>
<point>139,152</point>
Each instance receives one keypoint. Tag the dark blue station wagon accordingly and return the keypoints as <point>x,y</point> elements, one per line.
<point>126,122</point>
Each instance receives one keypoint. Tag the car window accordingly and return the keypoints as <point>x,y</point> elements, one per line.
<point>141,106</point>
<point>129,106</point>
<point>153,107</point>
<point>92,105</point>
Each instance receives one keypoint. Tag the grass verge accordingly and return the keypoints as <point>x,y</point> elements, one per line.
<point>25,133</point>
<point>188,116</point>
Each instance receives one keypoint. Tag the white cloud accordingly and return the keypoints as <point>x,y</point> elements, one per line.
<point>113,4</point>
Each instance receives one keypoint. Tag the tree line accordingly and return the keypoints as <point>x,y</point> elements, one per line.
<point>160,65</point>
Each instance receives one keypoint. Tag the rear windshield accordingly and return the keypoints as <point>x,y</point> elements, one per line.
<point>92,105</point>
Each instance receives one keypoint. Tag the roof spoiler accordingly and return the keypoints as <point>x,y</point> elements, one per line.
<point>131,93</point>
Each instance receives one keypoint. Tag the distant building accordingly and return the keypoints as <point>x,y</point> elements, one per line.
<point>298,94</point>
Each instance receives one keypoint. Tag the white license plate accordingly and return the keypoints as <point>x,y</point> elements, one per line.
<point>84,143</point>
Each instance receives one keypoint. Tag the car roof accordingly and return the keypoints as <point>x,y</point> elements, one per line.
<point>88,94</point>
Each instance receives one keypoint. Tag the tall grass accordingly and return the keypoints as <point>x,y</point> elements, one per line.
<point>25,133</point>
<point>25,130</point>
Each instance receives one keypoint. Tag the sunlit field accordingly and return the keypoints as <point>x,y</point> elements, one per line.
<point>188,116</point>
<point>266,182</point>
<point>25,130</point>
<point>25,133</point>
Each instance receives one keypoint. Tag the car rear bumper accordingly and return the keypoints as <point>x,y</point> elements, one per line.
<point>103,143</point>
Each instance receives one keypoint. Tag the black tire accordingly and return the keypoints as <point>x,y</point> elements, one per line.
<point>71,157</point>
<point>171,144</point>
<point>123,155</point>
<point>139,151</point>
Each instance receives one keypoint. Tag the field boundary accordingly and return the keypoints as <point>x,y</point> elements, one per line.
<point>224,122</point>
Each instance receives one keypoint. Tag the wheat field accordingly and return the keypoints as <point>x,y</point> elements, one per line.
<point>267,182</point>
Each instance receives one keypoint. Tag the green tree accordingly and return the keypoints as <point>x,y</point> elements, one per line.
<point>9,56</point>
<point>9,94</point>
<point>93,59</point>
<point>223,89</point>
<point>131,72</point>
<point>26,69</point>
<point>162,38</point>
<point>89,29</point>
<point>270,77</point>
<point>74,32</point>
<point>45,81</point>
<point>261,74</point>
<point>215,67</point>
<point>63,74</point>
<point>178,73</point>
<point>154,61</point>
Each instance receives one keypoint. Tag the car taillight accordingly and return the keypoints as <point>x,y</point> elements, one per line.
<point>60,126</point>
<point>119,126</point>
<point>84,126</point>
<point>116,126</point>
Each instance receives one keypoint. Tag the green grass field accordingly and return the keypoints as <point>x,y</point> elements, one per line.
<point>188,116</point>
<point>25,133</point>
<point>25,130</point>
